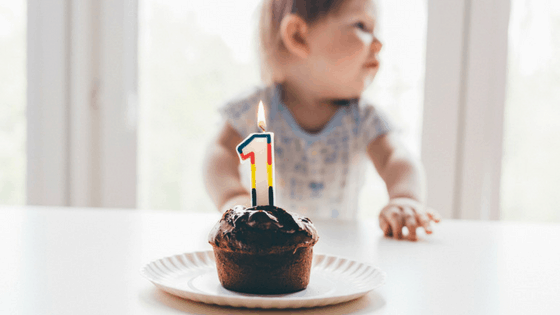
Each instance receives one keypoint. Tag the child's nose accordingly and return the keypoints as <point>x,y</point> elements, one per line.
<point>376,45</point>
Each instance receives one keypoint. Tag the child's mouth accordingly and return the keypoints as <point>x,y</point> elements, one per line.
<point>374,64</point>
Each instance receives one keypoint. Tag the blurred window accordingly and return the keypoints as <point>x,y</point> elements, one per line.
<point>531,148</point>
<point>193,55</point>
<point>13,21</point>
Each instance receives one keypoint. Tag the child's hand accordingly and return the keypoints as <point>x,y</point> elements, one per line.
<point>401,212</point>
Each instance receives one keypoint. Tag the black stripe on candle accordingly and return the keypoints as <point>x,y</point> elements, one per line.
<point>270,196</point>
<point>254,197</point>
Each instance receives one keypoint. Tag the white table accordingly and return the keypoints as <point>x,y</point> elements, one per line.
<point>87,261</point>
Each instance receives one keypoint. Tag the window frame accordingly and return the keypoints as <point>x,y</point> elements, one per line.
<point>465,86</point>
<point>81,135</point>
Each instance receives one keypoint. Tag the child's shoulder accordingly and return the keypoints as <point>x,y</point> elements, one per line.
<point>370,119</point>
<point>364,109</point>
<point>241,109</point>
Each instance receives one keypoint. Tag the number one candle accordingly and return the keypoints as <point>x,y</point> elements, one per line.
<point>259,148</point>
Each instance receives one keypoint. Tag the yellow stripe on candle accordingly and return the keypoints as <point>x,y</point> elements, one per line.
<point>269,172</point>
<point>253,177</point>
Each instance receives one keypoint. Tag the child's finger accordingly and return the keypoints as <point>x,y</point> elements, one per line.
<point>433,215</point>
<point>424,221</point>
<point>394,216</point>
<point>410,222</point>
<point>385,227</point>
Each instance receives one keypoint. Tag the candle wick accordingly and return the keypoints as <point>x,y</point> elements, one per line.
<point>262,126</point>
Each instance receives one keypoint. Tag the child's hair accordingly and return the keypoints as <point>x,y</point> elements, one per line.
<point>272,13</point>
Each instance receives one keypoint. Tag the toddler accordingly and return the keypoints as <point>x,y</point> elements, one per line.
<point>317,57</point>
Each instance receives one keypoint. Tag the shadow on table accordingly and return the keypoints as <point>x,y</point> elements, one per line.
<point>367,304</point>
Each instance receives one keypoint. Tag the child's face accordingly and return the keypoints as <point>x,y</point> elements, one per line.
<point>343,50</point>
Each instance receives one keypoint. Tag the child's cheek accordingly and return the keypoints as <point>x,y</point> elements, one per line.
<point>336,47</point>
<point>352,51</point>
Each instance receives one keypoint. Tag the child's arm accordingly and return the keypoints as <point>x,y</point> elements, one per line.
<point>405,180</point>
<point>221,173</point>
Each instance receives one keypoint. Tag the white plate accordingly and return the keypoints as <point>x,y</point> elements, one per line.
<point>194,276</point>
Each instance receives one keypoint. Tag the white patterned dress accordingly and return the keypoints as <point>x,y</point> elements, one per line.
<point>317,175</point>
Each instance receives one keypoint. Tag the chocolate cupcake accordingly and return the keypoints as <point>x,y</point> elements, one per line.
<point>263,250</point>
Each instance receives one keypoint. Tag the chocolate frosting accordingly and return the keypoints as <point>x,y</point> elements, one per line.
<point>261,230</point>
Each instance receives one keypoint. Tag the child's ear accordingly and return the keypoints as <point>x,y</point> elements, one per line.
<point>294,31</point>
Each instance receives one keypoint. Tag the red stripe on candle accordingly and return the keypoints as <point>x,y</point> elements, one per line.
<point>269,153</point>
<point>249,155</point>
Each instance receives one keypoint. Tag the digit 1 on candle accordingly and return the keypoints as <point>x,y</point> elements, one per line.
<point>259,148</point>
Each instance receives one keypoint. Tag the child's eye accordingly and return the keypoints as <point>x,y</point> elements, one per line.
<point>362,26</point>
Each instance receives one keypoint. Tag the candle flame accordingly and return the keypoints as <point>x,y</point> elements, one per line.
<point>262,121</point>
